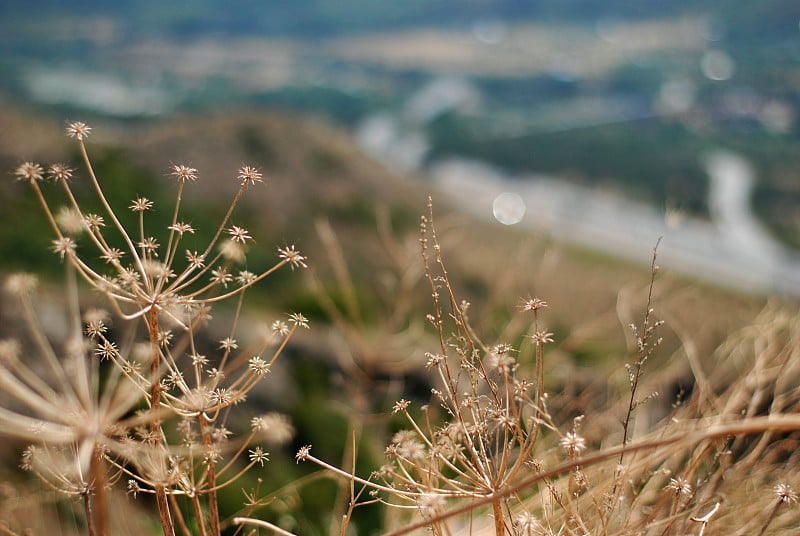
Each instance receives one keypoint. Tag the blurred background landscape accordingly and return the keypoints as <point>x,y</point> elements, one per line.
<point>571,108</point>
<point>560,140</point>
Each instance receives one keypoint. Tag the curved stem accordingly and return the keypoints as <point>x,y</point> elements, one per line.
<point>110,211</point>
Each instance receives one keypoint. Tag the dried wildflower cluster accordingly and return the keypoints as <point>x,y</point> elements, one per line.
<point>85,418</point>
<point>478,436</point>
<point>493,414</point>
<point>494,453</point>
<point>491,451</point>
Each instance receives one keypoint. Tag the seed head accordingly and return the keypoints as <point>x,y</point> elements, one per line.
<point>141,204</point>
<point>164,338</point>
<point>221,397</point>
<point>198,360</point>
<point>184,173</point>
<point>249,175</point>
<point>257,455</point>
<point>406,445</point>
<point>527,524</point>
<point>221,277</point>
<point>258,365</point>
<point>149,245</point>
<point>680,487</point>
<point>533,304</point>
<point>274,428</point>
<point>785,494</point>
<point>29,171</point>
<point>280,327</point>
<point>78,130</point>
<point>70,220</point>
<point>429,504</point>
<point>541,337</point>
<point>239,234</point>
<point>228,344</point>
<point>293,256</point>
<point>112,255</point>
<point>106,350</point>
<point>246,278</point>
<point>195,259</point>
<point>400,406</point>
<point>298,320</point>
<point>212,455</point>
<point>573,444</point>
<point>181,228</point>
<point>95,328</point>
<point>60,172</point>
<point>21,283</point>
<point>94,221</point>
<point>64,247</point>
<point>303,453</point>
<point>501,358</point>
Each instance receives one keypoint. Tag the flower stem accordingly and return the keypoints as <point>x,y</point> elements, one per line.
<point>162,501</point>
<point>497,511</point>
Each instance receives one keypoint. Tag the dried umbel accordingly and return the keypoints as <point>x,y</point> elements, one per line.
<point>493,452</point>
<point>179,445</point>
<point>477,436</point>
<point>57,396</point>
<point>493,415</point>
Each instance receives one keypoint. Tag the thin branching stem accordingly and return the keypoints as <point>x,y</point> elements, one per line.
<point>645,347</point>
<point>751,426</point>
<point>111,214</point>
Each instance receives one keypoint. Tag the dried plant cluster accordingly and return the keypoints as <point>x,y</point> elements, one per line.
<point>493,452</point>
<point>147,409</point>
<point>499,447</point>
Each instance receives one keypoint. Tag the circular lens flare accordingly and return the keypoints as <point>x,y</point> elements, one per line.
<point>508,208</point>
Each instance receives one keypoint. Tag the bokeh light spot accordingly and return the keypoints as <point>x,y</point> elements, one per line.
<point>508,208</point>
<point>717,65</point>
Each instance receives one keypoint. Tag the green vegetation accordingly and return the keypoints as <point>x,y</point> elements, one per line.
<point>645,159</point>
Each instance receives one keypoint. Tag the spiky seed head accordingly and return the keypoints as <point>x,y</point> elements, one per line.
<point>78,130</point>
<point>29,171</point>
<point>785,494</point>
<point>532,304</point>
<point>249,175</point>
<point>679,486</point>
<point>573,444</point>
<point>183,173</point>
<point>60,172</point>
<point>293,257</point>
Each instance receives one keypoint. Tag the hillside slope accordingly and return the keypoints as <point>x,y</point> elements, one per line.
<point>358,224</point>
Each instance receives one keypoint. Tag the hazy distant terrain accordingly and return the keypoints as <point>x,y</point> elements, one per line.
<point>773,18</point>
<point>607,95</point>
